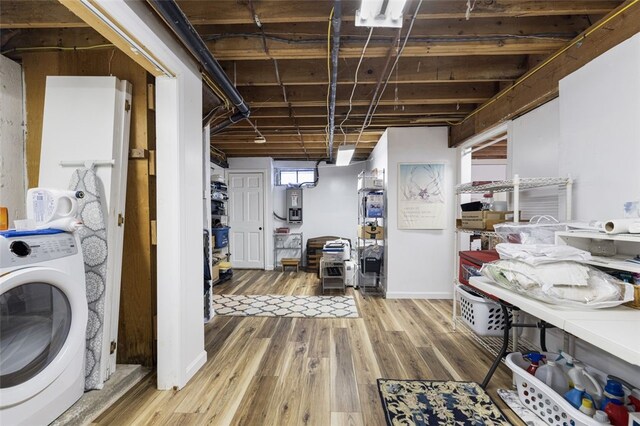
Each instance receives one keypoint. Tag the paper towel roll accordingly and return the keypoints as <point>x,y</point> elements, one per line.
<point>47,205</point>
<point>68,224</point>
<point>620,226</point>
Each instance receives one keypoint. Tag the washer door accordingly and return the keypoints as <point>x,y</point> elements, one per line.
<point>43,316</point>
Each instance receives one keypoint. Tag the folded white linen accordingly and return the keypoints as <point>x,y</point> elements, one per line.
<point>537,254</point>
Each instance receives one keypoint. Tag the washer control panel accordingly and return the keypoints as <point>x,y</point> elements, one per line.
<point>28,250</point>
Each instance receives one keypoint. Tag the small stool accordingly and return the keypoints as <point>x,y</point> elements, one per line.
<point>289,261</point>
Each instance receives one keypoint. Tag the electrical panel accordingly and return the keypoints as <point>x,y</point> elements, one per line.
<point>294,205</point>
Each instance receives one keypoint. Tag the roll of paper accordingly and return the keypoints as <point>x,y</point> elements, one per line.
<point>620,226</point>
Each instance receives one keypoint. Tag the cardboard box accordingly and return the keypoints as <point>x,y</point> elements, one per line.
<point>473,224</point>
<point>215,273</point>
<point>371,232</point>
<point>485,214</point>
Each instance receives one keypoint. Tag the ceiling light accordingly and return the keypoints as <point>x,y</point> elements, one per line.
<point>345,153</point>
<point>380,13</point>
<point>260,139</point>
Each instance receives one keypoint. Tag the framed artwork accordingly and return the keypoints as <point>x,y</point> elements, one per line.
<point>421,196</point>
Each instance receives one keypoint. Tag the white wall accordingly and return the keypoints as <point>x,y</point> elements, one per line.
<point>179,195</point>
<point>265,166</point>
<point>12,146</point>
<point>600,125</point>
<point>533,151</point>
<point>591,132</point>
<point>419,262</point>
<point>328,209</point>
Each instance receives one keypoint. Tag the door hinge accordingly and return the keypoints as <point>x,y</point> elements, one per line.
<point>112,348</point>
<point>120,219</point>
<point>127,106</point>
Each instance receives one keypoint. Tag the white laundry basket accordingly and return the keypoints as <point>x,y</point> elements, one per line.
<point>546,403</point>
<point>482,315</point>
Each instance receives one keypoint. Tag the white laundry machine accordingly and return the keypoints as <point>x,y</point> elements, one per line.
<point>43,320</point>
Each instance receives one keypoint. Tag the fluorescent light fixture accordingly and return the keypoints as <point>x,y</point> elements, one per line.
<point>345,153</point>
<point>380,13</point>
<point>260,139</point>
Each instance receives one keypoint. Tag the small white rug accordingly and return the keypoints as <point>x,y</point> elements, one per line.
<point>285,306</point>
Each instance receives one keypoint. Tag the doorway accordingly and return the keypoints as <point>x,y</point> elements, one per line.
<point>246,219</point>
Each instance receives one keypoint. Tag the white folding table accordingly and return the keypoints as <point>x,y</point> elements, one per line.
<point>613,330</point>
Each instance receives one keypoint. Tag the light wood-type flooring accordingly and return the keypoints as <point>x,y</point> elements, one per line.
<point>292,371</point>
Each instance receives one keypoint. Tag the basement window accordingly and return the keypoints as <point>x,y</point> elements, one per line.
<point>286,177</point>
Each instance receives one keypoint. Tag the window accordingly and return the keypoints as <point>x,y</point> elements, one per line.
<point>286,177</point>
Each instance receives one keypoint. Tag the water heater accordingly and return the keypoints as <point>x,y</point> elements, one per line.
<point>294,205</point>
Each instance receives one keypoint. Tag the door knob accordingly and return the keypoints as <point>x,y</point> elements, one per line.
<point>260,229</point>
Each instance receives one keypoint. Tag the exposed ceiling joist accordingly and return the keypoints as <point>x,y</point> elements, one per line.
<point>274,11</point>
<point>541,84</point>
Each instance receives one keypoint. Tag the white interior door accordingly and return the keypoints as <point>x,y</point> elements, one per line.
<point>246,219</point>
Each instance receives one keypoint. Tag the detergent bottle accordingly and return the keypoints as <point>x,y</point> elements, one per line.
<point>612,391</point>
<point>535,358</point>
<point>575,396</point>
<point>552,375</point>
<point>587,407</point>
<point>579,376</point>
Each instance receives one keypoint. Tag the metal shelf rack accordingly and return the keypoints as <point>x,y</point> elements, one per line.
<point>286,243</point>
<point>514,185</point>
<point>371,282</point>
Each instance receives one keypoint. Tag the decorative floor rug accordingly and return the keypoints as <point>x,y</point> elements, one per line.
<point>422,403</point>
<point>285,306</point>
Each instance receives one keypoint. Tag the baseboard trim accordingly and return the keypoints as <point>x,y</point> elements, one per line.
<point>419,295</point>
<point>194,367</point>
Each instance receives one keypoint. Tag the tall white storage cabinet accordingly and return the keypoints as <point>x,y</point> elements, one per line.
<point>86,122</point>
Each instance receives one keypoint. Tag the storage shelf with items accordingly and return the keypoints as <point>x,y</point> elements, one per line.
<point>221,269</point>
<point>287,246</point>
<point>371,240</point>
<point>480,223</point>
<point>618,254</point>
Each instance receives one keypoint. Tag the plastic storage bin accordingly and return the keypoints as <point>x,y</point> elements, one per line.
<point>550,406</point>
<point>483,316</point>
<point>221,235</point>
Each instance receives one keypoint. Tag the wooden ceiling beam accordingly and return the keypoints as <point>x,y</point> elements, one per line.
<point>321,123</point>
<point>541,26</point>
<point>410,70</point>
<point>414,94</point>
<point>290,139</point>
<point>274,11</point>
<point>240,49</point>
<point>360,111</point>
<point>49,14</point>
<point>541,84</point>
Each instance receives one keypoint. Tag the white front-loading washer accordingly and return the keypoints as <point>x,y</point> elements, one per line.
<point>43,320</point>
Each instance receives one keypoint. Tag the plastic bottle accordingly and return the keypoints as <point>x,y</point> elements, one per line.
<point>612,392</point>
<point>634,399</point>
<point>618,414</point>
<point>535,358</point>
<point>487,201</point>
<point>575,396</point>
<point>579,376</point>
<point>553,376</point>
<point>601,417</point>
<point>587,407</point>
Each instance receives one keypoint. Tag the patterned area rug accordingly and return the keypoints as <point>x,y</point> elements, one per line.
<point>285,306</point>
<point>422,403</point>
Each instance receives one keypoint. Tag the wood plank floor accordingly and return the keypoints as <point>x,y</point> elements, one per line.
<point>299,371</point>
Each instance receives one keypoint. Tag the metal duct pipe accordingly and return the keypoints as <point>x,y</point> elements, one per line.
<point>173,16</point>
<point>238,116</point>
<point>337,17</point>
